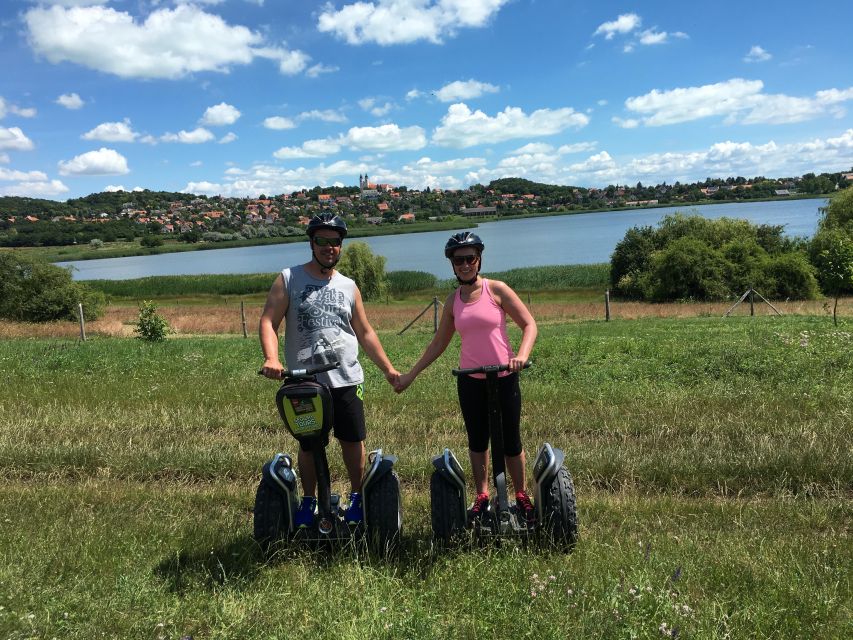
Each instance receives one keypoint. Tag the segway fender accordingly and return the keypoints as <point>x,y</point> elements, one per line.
<point>380,464</point>
<point>449,469</point>
<point>278,473</point>
<point>548,463</point>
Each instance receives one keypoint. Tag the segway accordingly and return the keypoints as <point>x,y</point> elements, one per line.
<point>554,494</point>
<point>305,407</point>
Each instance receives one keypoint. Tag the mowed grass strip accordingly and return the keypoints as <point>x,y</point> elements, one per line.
<point>112,559</point>
<point>711,458</point>
<point>699,407</point>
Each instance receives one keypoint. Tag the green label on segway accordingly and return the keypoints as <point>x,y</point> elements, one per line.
<point>304,415</point>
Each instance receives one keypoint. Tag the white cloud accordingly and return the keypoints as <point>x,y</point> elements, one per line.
<point>318,69</point>
<point>169,43</point>
<point>577,147</point>
<point>5,108</point>
<point>757,54</point>
<point>309,149</point>
<point>220,115</point>
<point>112,132</point>
<point>625,23</point>
<point>11,174</point>
<point>227,138</point>
<point>70,101</point>
<point>196,136</point>
<point>625,123</point>
<point>372,106</point>
<point>414,94</point>
<point>102,162</point>
<point>457,164</point>
<point>738,100</point>
<point>4,158</point>
<point>721,159</point>
<point>279,123</point>
<point>650,36</point>
<point>387,137</point>
<point>112,188</point>
<point>325,115</point>
<point>461,127</point>
<point>459,90</point>
<point>14,139</point>
<point>388,22</point>
<point>35,189</point>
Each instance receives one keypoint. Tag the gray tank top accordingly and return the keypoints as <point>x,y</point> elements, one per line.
<point>318,326</point>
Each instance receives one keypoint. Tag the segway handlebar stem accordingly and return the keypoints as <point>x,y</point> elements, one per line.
<point>307,371</point>
<point>489,368</point>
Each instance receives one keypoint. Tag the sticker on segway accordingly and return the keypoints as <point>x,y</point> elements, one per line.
<point>305,424</point>
<point>302,405</point>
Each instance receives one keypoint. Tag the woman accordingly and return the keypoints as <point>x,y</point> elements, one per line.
<point>478,310</point>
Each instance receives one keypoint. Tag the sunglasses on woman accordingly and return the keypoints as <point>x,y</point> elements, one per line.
<point>460,260</point>
<point>320,241</point>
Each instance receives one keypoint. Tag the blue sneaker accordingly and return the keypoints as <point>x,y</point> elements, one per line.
<point>305,514</point>
<point>355,513</point>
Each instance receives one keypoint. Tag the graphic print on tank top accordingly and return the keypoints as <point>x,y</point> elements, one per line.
<point>319,324</point>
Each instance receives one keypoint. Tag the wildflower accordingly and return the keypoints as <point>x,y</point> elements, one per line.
<point>663,628</point>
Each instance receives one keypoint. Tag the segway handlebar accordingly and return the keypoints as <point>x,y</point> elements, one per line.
<point>307,371</point>
<point>489,368</point>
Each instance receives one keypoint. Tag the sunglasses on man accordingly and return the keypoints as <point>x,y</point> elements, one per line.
<point>460,260</point>
<point>320,241</point>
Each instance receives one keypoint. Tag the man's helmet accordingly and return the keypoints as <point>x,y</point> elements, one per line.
<point>327,220</point>
<point>463,239</point>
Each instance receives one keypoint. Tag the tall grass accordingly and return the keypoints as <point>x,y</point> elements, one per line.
<point>402,282</point>
<point>711,459</point>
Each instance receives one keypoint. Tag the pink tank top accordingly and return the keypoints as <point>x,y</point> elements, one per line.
<point>482,326</point>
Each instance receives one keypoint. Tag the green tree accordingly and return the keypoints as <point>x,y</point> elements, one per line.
<point>35,291</point>
<point>832,255</point>
<point>151,326</point>
<point>368,270</point>
<point>839,213</point>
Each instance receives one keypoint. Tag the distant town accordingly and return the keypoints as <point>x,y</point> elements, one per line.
<point>119,215</point>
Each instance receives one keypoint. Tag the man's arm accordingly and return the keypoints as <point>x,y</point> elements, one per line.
<point>273,313</point>
<point>369,341</point>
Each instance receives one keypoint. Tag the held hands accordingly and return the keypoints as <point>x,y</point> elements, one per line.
<point>403,382</point>
<point>392,376</point>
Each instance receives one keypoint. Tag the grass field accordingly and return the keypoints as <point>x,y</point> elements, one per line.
<point>712,460</point>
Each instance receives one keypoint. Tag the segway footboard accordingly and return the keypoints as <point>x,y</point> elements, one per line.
<point>276,501</point>
<point>383,506</point>
<point>447,497</point>
<point>556,510</point>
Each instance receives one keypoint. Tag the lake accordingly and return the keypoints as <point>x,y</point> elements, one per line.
<point>585,238</point>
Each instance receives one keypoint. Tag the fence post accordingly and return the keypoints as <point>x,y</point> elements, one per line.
<point>435,314</point>
<point>243,319</point>
<point>607,305</point>
<point>751,301</point>
<point>82,322</point>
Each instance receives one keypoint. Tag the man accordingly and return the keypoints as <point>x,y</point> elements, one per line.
<point>325,322</point>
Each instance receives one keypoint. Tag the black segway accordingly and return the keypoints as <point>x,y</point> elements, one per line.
<point>305,407</point>
<point>554,493</point>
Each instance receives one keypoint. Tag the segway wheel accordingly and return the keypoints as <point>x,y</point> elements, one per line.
<point>560,519</point>
<point>447,506</point>
<point>385,515</point>
<point>270,519</point>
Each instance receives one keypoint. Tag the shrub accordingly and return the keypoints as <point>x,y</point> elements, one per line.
<point>35,291</point>
<point>691,257</point>
<point>150,325</point>
<point>839,213</point>
<point>368,270</point>
<point>688,269</point>
<point>401,282</point>
<point>151,241</point>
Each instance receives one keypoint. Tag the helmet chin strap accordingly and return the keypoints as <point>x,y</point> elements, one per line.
<point>468,282</point>
<point>325,270</point>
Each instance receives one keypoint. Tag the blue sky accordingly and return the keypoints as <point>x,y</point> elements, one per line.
<point>243,97</point>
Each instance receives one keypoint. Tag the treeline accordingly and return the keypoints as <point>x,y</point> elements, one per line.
<point>695,258</point>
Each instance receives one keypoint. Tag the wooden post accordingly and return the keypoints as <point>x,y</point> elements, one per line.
<point>243,319</point>
<point>82,321</point>
<point>607,305</point>
<point>435,314</point>
<point>751,301</point>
